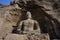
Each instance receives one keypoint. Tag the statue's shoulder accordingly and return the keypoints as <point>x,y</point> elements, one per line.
<point>35,21</point>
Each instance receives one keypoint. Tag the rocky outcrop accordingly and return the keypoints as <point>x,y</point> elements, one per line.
<point>9,16</point>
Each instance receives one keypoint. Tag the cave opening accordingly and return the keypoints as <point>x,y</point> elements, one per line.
<point>47,23</point>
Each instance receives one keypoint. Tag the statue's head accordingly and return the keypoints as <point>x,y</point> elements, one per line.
<point>29,15</point>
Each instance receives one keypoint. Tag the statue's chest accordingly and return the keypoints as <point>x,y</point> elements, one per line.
<point>28,25</point>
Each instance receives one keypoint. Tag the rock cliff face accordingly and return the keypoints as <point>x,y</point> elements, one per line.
<point>10,15</point>
<point>55,4</point>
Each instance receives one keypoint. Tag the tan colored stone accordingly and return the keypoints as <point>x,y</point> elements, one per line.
<point>15,37</point>
<point>0,39</point>
<point>45,36</point>
<point>8,18</point>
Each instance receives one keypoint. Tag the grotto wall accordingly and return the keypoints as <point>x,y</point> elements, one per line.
<point>10,15</point>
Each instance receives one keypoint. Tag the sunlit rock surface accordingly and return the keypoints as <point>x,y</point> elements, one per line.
<point>25,37</point>
<point>10,14</point>
<point>15,37</point>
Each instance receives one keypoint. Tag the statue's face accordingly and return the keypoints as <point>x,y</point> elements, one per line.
<point>29,15</point>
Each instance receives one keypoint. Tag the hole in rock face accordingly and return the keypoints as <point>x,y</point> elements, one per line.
<point>56,5</point>
<point>14,29</point>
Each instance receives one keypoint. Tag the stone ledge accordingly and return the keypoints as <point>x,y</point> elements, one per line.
<point>25,37</point>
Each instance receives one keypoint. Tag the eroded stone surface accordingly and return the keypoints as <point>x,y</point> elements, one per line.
<point>27,37</point>
<point>8,18</point>
<point>15,37</point>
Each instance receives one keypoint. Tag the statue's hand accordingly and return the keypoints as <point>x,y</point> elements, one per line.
<point>19,31</point>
